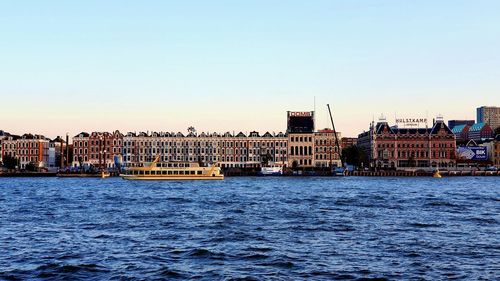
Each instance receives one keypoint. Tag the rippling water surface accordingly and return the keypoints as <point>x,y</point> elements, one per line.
<point>250,229</point>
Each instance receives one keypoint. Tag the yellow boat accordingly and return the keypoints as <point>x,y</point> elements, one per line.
<point>105,175</point>
<point>173,171</point>
<point>437,174</point>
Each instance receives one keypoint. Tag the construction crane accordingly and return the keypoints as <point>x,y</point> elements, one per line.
<point>335,134</point>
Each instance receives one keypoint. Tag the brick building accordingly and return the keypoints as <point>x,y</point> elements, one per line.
<point>230,151</point>
<point>392,147</point>
<point>97,149</point>
<point>300,131</point>
<point>480,131</point>
<point>326,152</point>
<point>301,150</point>
<point>496,151</point>
<point>346,142</point>
<point>27,148</point>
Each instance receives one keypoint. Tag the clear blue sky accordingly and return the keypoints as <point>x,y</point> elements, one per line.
<point>68,66</point>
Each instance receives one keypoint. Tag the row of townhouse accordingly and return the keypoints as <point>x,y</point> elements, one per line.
<point>98,149</point>
<point>227,149</point>
<point>107,150</point>
<point>26,149</point>
<point>33,149</point>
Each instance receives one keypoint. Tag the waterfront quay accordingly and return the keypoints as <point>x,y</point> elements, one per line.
<point>302,149</point>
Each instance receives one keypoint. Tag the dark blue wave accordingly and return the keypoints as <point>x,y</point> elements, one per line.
<point>250,229</point>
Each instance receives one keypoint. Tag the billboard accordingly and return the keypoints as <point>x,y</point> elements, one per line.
<point>472,153</point>
<point>411,122</point>
<point>300,121</point>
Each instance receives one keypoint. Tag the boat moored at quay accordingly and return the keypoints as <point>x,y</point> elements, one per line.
<point>173,171</point>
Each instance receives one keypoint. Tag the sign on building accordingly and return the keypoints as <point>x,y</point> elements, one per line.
<point>411,122</point>
<point>473,153</point>
<point>300,121</point>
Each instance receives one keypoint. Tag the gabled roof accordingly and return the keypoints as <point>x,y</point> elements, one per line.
<point>58,139</point>
<point>381,126</point>
<point>117,133</point>
<point>13,137</point>
<point>438,126</point>
<point>82,134</point>
<point>267,135</point>
<point>254,134</point>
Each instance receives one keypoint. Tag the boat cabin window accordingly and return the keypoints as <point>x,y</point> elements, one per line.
<point>192,172</point>
<point>163,172</point>
<point>199,172</point>
<point>169,172</point>
<point>176,172</point>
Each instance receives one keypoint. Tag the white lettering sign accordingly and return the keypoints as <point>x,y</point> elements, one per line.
<point>300,114</point>
<point>411,122</point>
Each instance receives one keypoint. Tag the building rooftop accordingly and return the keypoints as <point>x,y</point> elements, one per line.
<point>477,127</point>
<point>458,129</point>
<point>82,134</point>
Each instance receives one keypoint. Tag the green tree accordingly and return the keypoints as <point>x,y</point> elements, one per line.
<point>9,162</point>
<point>31,167</point>
<point>353,155</point>
<point>266,159</point>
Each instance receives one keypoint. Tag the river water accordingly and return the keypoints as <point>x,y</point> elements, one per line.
<point>250,228</point>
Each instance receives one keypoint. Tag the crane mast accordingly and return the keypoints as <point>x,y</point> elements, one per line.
<point>335,135</point>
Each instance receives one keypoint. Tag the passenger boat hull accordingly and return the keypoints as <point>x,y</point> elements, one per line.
<point>173,171</point>
<point>162,177</point>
